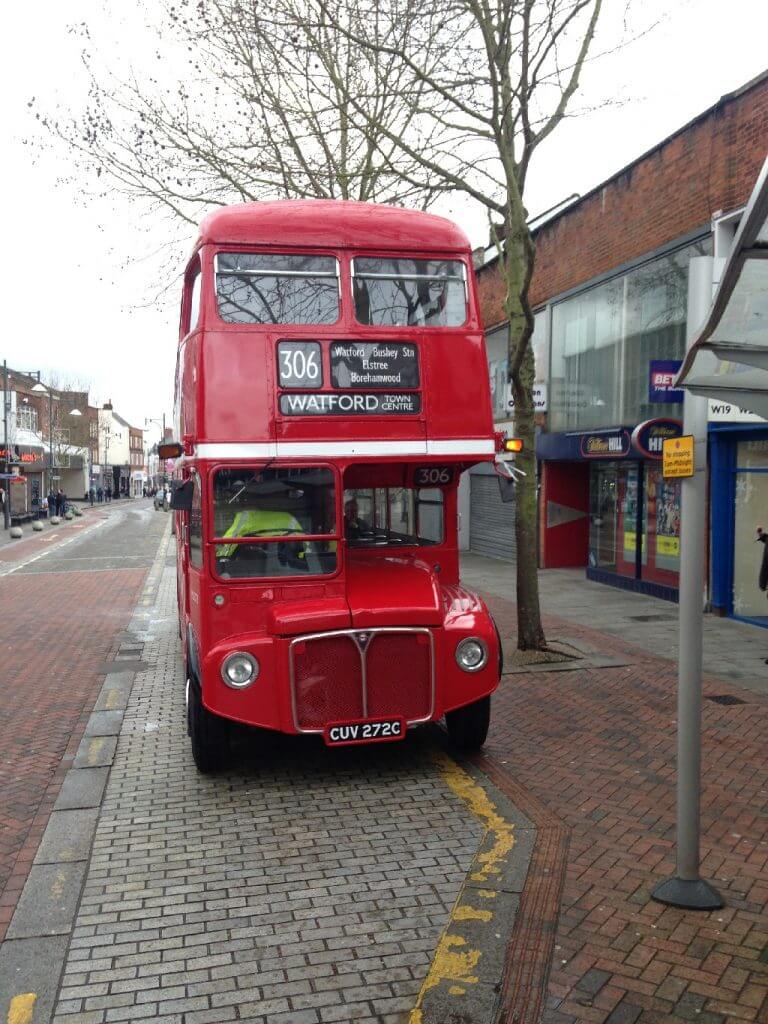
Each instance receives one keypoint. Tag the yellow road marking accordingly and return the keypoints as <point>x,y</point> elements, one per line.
<point>112,697</point>
<point>59,882</point>
<point>471,914</point>
<point>94,749</point>
<point>454,961</point>
<point>21,1009</point>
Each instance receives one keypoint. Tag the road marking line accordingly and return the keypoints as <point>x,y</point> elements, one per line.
<point>42,554</point>
<point>455,961</point>
<point>21,1009</point>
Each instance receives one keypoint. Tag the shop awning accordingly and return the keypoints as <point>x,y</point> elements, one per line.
<point>729,359</point>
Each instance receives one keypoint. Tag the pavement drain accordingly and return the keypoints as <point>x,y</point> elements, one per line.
<point>724,698</point>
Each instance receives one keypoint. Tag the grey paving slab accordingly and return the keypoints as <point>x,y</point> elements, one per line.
<point>95,751</point>
<point>82,787</point>
<point>48,901</point>
<point>472,1003</point>
<point>30,967</point>
<point>67,837</point>
<point>513,871</point>
<point>115,692</point>
<point>104,723</point>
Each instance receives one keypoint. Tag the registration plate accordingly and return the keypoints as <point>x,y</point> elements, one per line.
<point>379,730</point>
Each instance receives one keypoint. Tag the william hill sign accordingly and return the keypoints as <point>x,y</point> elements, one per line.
<point>648,438</point>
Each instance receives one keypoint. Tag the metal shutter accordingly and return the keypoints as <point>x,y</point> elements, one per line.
<point>491,521</point>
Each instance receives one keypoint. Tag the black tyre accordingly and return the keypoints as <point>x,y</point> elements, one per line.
<point>209,734</point>
<point>468,726</point>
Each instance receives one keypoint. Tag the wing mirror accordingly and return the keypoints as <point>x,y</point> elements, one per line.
<point>181,495</point>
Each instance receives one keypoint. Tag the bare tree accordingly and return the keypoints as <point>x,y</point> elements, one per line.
<point>483,84</point>
<point>63,420</point>
<point>259,112</point>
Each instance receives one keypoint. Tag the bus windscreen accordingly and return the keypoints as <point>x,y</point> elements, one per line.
<point>409,293</point>
<point>274,288</point>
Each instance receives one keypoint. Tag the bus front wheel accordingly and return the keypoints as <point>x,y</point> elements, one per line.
<point>468,726</point>
<point>208,733</point>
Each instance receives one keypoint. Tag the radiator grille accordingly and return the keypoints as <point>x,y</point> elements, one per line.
<point>328,680</point>
<point>361,674</point>
<point>398,675</point>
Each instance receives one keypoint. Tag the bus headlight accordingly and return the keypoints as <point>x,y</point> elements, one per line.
<point>239,670</point>
<point>471,654</point>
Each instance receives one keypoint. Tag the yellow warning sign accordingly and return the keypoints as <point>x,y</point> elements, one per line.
<point>677,455</point>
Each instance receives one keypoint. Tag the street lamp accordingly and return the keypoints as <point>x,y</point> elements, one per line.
<point>160,423</point>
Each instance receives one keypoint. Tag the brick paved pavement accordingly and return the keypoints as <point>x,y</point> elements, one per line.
<point>588,755</point>
<point>300,885</point>
<point>57,628</point>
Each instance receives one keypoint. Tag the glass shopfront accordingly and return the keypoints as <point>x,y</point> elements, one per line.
<point>634,523</point>
<point>750,511</point>
<point>739,505</point>
<point>605,338</point>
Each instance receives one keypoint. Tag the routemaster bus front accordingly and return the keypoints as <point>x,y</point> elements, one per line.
<point>328,401</point>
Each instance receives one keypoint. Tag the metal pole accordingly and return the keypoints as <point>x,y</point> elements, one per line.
<point>686,888</point>
<point>50,437</point>
<point>6,482</point>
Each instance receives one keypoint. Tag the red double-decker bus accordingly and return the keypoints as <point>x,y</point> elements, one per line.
<point>331,386</point>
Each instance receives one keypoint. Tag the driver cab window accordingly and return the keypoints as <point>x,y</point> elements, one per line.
<point>196,525</point>
<point>393,516</point>
<point>264,517</point>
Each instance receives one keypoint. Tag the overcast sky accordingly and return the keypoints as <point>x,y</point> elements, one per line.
<point>73,306</point>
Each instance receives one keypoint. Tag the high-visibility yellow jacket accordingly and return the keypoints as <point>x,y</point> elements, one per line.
<point>261,522</point>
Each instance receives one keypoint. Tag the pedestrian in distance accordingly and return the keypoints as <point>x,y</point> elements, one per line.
<point>91,495</point>
<point>109,494</point>
<point>100,494</point>
<point>51,502</point>
<point>57,502</point>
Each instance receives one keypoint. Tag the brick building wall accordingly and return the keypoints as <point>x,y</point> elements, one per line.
<point>707,166</point>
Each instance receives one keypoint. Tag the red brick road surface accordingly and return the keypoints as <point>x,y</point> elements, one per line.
<point>56,629</point>
<point>589,754</point>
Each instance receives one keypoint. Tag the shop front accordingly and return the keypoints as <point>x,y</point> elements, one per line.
<point>26,489</point>
<point>622,520</point>
<point>739,503</point>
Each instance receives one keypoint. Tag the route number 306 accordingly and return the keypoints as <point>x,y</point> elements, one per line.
<point>432,476</point>
<point>300,364</point>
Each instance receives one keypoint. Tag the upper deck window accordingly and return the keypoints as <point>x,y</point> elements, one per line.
<point>409,293</point>
<point>273,288</point>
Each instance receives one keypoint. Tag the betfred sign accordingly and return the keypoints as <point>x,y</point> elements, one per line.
<point>661,386</point>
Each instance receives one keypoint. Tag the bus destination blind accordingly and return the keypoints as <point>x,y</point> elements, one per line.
<point>349,403</point>
<point>374,364</point>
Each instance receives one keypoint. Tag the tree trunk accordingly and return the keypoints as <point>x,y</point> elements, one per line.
<point>517,264</point>
<point>530,633</point>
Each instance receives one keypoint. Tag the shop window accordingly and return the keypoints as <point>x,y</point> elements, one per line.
<point>604,339</point>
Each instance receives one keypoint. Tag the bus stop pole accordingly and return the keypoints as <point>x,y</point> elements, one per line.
<point>686,888</point>
<point>6,445</point>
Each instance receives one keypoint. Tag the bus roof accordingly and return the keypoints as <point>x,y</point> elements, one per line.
<point>332,223</point>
